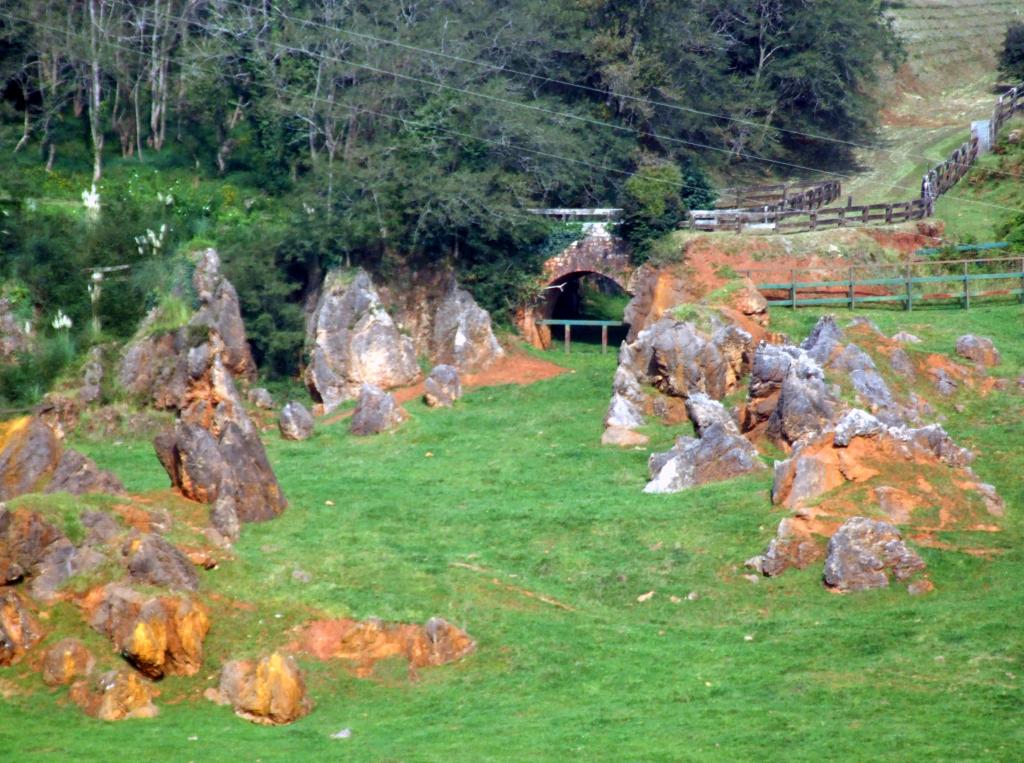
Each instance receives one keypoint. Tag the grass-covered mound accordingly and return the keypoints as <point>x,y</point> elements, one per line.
<point>505,517</point>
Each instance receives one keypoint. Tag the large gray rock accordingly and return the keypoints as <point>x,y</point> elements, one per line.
<point>151,560</point>
<point>787,549</point>
<point>806,405</point>
<point>261,398</point>
<point>979,349</point>
<point>718,455</point>
<point>442,387</point>
<point>376,412</point>
<point>462,335</point>
<point>823,340</point>
<point>78,474</point>
<point>296,423</point>
<point>354,341</point>
<point>29,452</point>
<point>92,377</point>
<point>214,448</point>
<point>864,552</point>
<point>705,412</point>
<point>154,365</point>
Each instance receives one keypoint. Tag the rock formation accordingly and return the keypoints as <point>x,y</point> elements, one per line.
<point>979,349</point>
<point>863,552</point>
<point>65,661</point>
<point>19,629</point>
<point>720,453</point>
<point>269,691</point>
<point>376,412</point>
<point>462,336</point>
<point>214,449</point>
<point>354,341</point>
<point>115,696</point>
<point>442,387</point>
<point>296,423</point>
<point>261,398</point>
<point>155,364</point>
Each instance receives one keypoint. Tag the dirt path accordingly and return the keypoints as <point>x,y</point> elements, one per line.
<point>513,368</point>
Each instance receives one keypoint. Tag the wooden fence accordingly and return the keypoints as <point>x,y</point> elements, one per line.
<point>776,215</point>
<point>781,196</point>
<point>794,220</point>
<point>908,283</point>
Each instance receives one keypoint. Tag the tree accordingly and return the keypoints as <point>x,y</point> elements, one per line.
<point>1011,59</point>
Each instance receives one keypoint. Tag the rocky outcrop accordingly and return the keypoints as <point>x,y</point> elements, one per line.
<point>78,474</point>
<point>155,364</point>
<point>214,449</point>
<point>623,437</point>
<point>270,691</point>
<point>296,423</point>
<point>789,548</point>
<point>376,411</point>
<point>979,349</point>
<point>152,560</point>
<point>115,696</point>
<point>261,398</point>
<point>92,378</point>
<point>19,629</point>
<point>853,452</point>
<point>158,635</point>
<point>721,453</point>
<point>65,661</point>
<point>364,643</point>
<point>29,452</point>
<point>354,341</point>
<point>462,335</point>
<point>442,387</point>
<point>864,553</point>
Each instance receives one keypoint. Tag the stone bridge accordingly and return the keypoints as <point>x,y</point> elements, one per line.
<point>598,253</point>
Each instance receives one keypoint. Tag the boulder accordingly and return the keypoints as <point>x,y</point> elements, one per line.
<point>623,437</point>
<point>462,335</point>
<point>376,411</point>
<point>158,635</point>
<point>19,629</point>
<point>824,339</point>
<point>719,454</point>
<point>214,448</point>
<point>904,337</point>
<point>61,561</point>
<point>788,548</point>
<point>442,387</point>
<point>354,341</point>
<point>153,367</point>
<point>78,474</point>
<point>25,538</point>
<point>979,349</point>
<point>152,560</point>
<point>220,313</point>
<point>705,411</point>
<point>270,691</point>
<point>65,661</point>
<point>261,398</point>
<point>864,552</point>
<point>92,378</point>
<point>29,452</point>
<point>901,363</point>
<point>805,406</point>
<point>296,423</point>
<point>115,696</point>
<point>224,518</point>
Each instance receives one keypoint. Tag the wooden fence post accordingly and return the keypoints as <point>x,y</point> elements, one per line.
<point>792,288</point>
<point>967,290</point>
<point>604,340</point>
<point>851,287</point>
<point>568,338</point>
<point>910,297</point>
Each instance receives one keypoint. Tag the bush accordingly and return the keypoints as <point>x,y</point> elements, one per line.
<point>1011,60</point>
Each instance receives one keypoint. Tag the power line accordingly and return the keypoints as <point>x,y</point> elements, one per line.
<point>545,79</point>
<point>588,120</point>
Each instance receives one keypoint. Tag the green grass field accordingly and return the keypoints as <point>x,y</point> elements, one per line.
<point>514,482</point>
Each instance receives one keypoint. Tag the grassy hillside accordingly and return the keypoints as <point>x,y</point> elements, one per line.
<point>473,513</point>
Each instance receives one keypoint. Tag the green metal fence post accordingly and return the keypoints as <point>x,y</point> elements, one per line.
<point>967,289</point>
<point>792,289</point>
<point>910,298</point>
<point>851,287</point>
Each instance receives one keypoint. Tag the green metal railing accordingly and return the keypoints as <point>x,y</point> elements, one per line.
<point>904,285</point>
<point>567,339</point>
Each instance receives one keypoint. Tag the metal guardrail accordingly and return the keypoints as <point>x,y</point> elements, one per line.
<point>569,323</point>
<point>901,286</point>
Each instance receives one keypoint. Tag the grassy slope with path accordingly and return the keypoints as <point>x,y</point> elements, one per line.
<point>517,484</point>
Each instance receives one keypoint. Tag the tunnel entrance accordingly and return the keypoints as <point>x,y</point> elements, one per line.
<point>587,296</point>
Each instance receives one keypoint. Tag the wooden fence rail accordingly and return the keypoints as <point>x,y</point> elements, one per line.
<point>769,208</point>
<point>903,283</point>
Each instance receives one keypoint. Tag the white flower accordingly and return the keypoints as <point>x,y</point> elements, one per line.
<point>61,321</point>
<point>91,201</point>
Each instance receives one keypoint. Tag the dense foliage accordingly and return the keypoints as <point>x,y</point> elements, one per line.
<point>391,134</point>
<point>1011,58</point>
